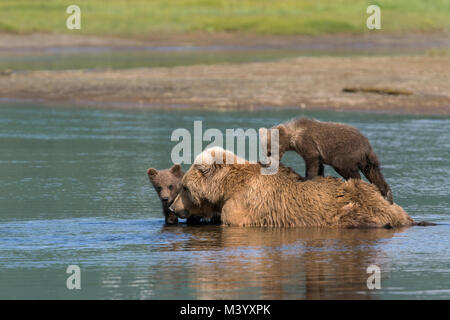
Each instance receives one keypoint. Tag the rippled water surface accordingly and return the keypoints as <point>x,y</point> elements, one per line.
<point>74,190</point>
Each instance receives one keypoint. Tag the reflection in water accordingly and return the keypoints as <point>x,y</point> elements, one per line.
<point>277,263</point>
<point>74,190</point>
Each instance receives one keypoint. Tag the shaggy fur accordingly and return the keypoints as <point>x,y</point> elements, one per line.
<point>341,146</point>
<point>247,198</point>
<point>167,184</point>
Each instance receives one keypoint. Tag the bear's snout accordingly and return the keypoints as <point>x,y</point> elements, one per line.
<point>171,218</point>
<point>165,200</point>
<point>178,210</point>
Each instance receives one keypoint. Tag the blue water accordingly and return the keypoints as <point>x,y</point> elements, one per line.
<point>74,190</point>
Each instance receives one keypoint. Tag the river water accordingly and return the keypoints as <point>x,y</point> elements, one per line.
<point>74,191</point>
<point>104,58</point>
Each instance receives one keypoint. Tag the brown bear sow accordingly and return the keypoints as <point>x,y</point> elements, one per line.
<point>247,198</point>
<point>167,184</point>
<point>341,146</point>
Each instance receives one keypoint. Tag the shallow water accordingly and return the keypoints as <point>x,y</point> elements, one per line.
<point>74,191</point>
<point>101,58</point>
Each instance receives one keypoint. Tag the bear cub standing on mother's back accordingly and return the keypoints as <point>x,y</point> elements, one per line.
<point>341,146</point>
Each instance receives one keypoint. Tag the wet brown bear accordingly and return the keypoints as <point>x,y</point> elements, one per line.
<point>245,197</point>
<point>341,146</point>
<point>167,184</point>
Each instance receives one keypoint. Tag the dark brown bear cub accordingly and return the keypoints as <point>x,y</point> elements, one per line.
<point>341,146</point>
<point>167,184</point>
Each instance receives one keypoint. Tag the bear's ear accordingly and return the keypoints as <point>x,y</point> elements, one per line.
<point>206,169</point>
<point>152,173</point>
<point>176,170</point>
<point>282,130</point>
<point>203,168</point>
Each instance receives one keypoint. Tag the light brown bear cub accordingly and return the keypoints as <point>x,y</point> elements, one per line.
<point>167,184</point>
<point>341,146</point>
<point>245,197</point>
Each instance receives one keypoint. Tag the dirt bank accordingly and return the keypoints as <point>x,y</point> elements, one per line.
<point>309,83</point>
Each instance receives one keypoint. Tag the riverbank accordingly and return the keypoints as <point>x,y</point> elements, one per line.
<point>410,85</point>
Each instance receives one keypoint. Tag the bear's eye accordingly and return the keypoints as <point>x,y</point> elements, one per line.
<point>158,189</point>
<point>185,188</point>
<point>171,187</point>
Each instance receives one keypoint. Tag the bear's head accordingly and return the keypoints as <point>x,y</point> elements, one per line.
<point>275,148</point>
<point>167,184</point>
<point>206,182</point>
<point>214,177</point>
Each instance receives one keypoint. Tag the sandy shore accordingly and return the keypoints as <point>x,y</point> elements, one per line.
<point>337,83</point>
<point>307,83</point>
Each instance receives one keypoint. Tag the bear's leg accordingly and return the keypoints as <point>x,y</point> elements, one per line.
<point>234,213</point>
<point>372,172</point>
<point>352,216</point>
<point>312,168</point>
<point>321,170</point>
<point>348,173</point>
<point>194,220</point>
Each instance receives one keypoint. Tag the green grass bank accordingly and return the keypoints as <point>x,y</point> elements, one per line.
<point>140,17</point>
